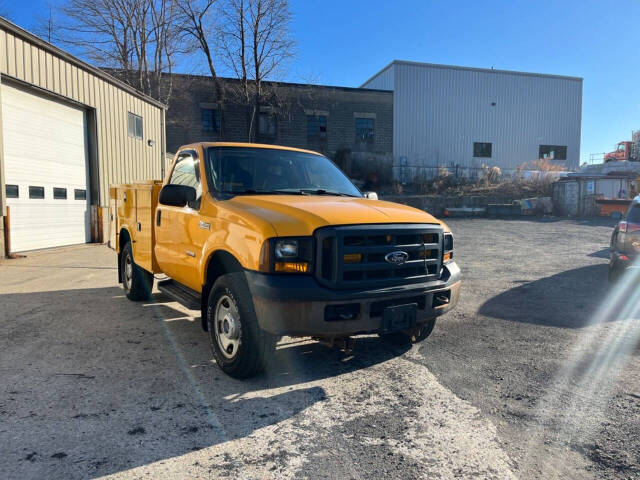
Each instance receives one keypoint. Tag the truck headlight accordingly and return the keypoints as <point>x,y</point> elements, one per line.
<point>286,248</point>
<point>447,248</point>
<point>287,255</point>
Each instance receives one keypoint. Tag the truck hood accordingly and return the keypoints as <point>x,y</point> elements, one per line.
<point>301,215</point>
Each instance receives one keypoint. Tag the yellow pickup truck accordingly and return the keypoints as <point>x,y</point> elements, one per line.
<point>268,241</point>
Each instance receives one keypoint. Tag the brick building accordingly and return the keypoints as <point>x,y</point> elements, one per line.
<point>351,125</point>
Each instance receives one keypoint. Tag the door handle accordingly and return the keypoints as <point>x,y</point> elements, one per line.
<point>158,217</point>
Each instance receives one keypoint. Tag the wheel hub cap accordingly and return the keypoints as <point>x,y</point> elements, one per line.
<point>227,329</point>
<point>128,270</point>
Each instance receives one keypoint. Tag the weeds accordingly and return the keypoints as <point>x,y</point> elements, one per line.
<point>530,179</point>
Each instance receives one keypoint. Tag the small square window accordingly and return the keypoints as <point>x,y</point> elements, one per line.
<point>365,129</point>
<point>134,125</point>
<point>210,120</point>
<point>12,191</point>
<point>552,152</point>
<point>267,124</point>
<point>79,194</point>
<point>482,149</point>
<point>36,192</point>
<point>59,193</point>
<point>316,127</point>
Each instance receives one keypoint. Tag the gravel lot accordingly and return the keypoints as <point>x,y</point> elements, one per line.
<point>528,378</point>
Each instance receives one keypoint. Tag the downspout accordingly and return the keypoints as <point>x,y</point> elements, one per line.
<point>163,144</point>
<point>3,203</point>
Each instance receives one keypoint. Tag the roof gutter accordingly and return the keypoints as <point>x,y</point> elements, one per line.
<point>33,39</point>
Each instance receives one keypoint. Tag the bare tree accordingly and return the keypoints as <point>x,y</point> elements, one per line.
<point>233,50</point>
<point>137,39</point>
<point>255,44</point>
<point>198,25</point>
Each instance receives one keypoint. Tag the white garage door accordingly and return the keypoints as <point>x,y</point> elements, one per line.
<point>45,162</point>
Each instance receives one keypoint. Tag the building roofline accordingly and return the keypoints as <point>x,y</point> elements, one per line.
<point>472,69</point>
<point>288,84</point>
<point>380,72</point>
<point>31,38</point>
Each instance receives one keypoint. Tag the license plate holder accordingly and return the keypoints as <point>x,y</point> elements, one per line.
<point>399,317</point>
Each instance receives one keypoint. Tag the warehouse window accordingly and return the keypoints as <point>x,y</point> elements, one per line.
<point>364,129</point>
<point>553,152</point>
<point>134,124</point>
<point>12,191</point>
<point>36,192</point>
<point>482,149</point>
<point>59,193</point>
<point>267,124</point>
<point>316,126</point>
<point>210,120</point>
<point>79,194</point>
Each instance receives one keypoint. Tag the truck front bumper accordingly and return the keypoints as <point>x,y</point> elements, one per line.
<point>299,306</point>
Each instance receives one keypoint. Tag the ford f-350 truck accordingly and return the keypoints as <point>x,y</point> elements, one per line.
<point>268,241</point>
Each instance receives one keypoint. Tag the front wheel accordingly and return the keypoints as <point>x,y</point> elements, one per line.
<point>240,347</point>
<point>415,335</point>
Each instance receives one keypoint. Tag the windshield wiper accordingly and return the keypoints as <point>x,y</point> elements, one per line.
<point>300,191</point>
<point>322,191</point>
<point>253,191</point>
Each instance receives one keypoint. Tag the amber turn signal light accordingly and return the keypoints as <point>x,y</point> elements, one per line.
<point>292,267</point>
<point>446,257</point>
<point>352,258</point>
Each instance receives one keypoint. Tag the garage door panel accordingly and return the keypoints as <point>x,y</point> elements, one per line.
<point>45,146</point>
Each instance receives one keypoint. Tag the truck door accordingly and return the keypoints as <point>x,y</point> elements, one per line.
<point>177,249</point>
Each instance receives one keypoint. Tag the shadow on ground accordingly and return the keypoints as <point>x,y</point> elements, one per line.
<point>93,384</point>
<point>566,300</point>
<point>602,253</point>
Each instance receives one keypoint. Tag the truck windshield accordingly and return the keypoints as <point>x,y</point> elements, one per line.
<point>238,171</point>
<point>633,214</point>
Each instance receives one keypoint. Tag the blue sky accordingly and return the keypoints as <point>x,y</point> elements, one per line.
<point>345,42</point>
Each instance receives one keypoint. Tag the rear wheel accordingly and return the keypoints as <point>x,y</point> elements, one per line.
<point>240,347</point>
<point>136,281</point>
<point>615,271</point>
<point>415,335</point>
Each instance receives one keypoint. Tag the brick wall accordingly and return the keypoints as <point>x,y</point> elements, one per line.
<point>290,103</point>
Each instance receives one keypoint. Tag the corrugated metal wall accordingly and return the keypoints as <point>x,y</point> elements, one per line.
<point>120,157</point>
<point>382,80</point>
<point>440,111</point>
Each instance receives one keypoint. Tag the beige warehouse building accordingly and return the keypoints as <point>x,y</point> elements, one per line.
<point>67,131</point>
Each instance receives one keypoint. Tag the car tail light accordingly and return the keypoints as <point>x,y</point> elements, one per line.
<point>622,227</point>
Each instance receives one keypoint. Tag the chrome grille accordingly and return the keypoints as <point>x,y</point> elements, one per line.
<point>365,248</point>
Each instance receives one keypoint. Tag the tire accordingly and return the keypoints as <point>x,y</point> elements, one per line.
<point>410,336</point>
<point>241,349</point>
<point>136,281</point>
<point>615,272</point>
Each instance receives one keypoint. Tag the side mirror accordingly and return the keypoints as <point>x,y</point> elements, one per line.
<point>370,195</point>
<point>177,195</point>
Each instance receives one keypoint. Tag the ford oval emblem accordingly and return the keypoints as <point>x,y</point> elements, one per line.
<point>396,258</point>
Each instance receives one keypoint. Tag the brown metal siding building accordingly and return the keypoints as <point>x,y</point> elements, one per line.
<point>62,119</point>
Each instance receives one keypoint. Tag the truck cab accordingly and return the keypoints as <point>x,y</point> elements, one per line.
<point>623,152</point>
<point>269,241</point>
<point>625,242</point>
